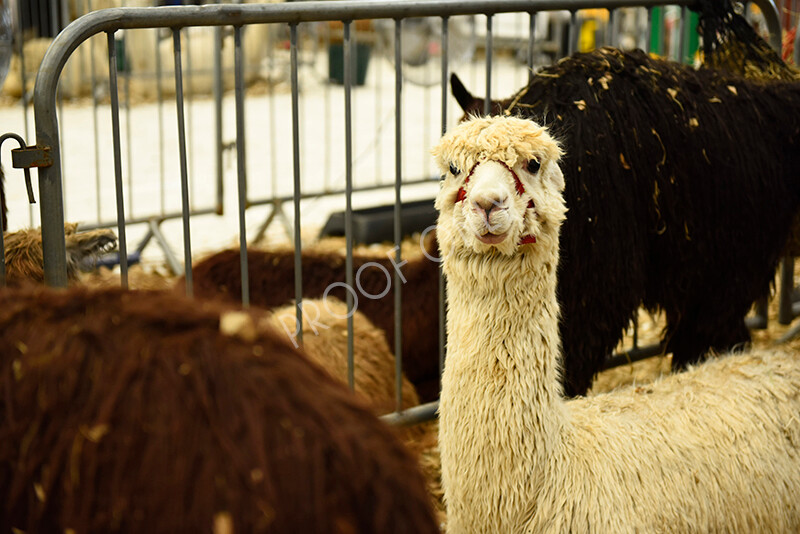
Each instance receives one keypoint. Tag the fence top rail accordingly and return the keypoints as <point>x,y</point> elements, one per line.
<point>111,20</point>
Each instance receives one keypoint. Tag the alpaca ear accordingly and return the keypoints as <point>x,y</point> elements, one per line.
<point>468,103</point>
<point>556,176</point>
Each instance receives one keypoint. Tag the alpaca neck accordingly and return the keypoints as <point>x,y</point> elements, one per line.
<point>501,414</point>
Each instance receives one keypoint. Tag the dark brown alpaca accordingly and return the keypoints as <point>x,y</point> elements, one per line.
<point>150,412</point>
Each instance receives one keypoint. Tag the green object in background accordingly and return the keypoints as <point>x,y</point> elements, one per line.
<point>693,39</point>
<point>119,46</point>
<point>690,36</point>
<point>656,31</point>
<point>336,63</point>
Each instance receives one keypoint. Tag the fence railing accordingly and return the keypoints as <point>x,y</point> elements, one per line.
<point>289,16</point>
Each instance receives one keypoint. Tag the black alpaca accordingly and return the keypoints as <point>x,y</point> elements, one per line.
<point>681,187</point>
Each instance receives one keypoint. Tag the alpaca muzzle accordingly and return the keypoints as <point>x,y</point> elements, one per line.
<point>490,238</point>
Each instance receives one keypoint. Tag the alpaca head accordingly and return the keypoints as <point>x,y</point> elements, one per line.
<point>501,188</point>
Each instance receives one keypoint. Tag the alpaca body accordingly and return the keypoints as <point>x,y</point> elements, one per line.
<point>665,206</point>
<point>715,449</point>
<point>325,343</point>
<point>271,285</point>
<point>635,460</point>
<point>136,411</point>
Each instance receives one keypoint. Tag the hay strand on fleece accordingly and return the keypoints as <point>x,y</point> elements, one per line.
<point>133,412</point>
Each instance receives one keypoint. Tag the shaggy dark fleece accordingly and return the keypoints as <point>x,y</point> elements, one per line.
<point>133,412</point>
<point>732,45</point>
<point>681,187</point>
<point>272,284</point>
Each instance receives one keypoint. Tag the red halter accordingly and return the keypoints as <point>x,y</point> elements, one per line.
<point>518,185</point>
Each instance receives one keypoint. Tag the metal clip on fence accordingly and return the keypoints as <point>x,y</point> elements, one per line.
<point>24,158</point>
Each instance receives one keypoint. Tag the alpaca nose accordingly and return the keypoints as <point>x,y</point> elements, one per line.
<point>489,205</point>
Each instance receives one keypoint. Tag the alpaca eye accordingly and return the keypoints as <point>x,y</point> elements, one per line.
<point>454,170</point>
<point>533,166</point>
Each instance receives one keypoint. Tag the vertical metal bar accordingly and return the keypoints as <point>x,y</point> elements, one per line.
<point>112,82</point>
<point>160,102</point>
<point>298,244</point>
<point>190,116</point>
<point>398,178</point>
<point>426,133</point>
<point>241,168</point>
<point>95,124</point>
<point>613,27</point>
<point>442,289</point>
<point>377,67</point>
<point>327,186</point>
<point>531,41</point>
<point>572,37</point>
<point>354,67</point>
<point>185,207</point>
<point>218,90</point>
<point>128,120</point>
<point>649,32</point>
<point>487,103</point>
<point>348,213</point>
<point>54,19</point>
<point>59,24</point>
<point>64,14</point>
<point>60,100</point>
<point>20,40</point>
<point>54,25</point>
<point>682,34</point>
<point>785,312</point>
<point>51,198</point>
<point>273,150</point>
<point>445,70</point>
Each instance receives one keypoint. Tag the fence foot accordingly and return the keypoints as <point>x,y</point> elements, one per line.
<point>277,212</point>
<point>154,231</point>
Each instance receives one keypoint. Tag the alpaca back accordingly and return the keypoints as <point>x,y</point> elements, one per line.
<point>714,449</point>
<point>133,411</point>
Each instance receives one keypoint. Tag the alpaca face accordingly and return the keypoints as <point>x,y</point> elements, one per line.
<point>501,190</point>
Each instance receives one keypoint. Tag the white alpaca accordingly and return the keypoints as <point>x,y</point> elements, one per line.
<point>714,449</point>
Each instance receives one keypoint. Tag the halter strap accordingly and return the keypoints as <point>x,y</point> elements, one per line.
<point>461,195</point>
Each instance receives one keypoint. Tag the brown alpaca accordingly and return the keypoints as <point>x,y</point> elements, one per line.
<point>147,411</point>
<point>325,342</point>
<point>24,258</point>
<point>272,285</point>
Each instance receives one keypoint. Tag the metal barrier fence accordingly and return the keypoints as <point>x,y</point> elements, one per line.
<point>47,152</point>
